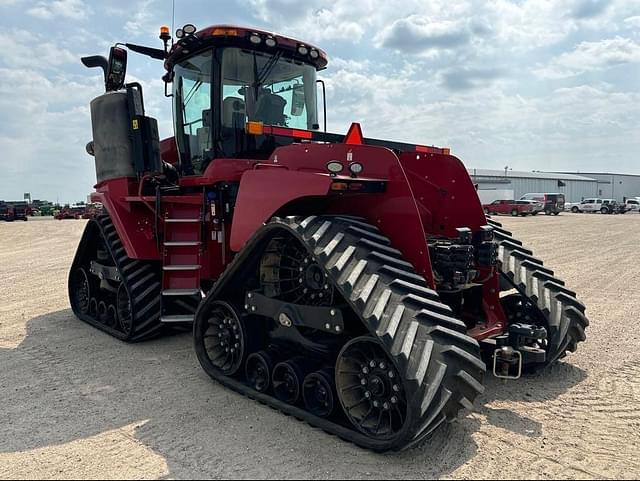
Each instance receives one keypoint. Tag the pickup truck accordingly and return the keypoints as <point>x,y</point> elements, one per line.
<point>633,205</point>
<point>604,206</point>
<point>513,207</point>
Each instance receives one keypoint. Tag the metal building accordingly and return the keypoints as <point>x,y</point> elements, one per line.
<point>574,187</point>
<point>616,186</point>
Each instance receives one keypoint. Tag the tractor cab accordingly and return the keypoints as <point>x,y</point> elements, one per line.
<point>230,86</point>
<point>229,82</point>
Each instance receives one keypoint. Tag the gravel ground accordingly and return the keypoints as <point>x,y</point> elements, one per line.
<point>78,404</point>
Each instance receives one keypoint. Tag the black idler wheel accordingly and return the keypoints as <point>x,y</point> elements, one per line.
<point>93,308</point>
<point>370,389</point>
<point>287,380</point>
<point>112,315</point>
<point>225,339</point>
<point>258,370</point>
<point>318,392</point>
<point>102,312</point>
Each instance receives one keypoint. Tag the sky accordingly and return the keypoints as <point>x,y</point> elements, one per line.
<point>528,84</point>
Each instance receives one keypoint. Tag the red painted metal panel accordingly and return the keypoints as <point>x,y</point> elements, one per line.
<point>134,222</point>
<point>264,191</point>
<point>220,170</point>
<point>169,150</point>
<point>395,211</point>
<point>444,192</point>
<point>447,200</point>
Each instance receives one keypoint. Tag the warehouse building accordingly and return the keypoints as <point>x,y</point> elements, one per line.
<point>615,186</point>
<point>502,184</point>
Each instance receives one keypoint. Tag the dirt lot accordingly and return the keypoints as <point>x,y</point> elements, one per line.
<point>76,403</point>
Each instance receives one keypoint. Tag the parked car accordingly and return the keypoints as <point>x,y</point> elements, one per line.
<point>633,205</point>
<point>572,207</point>
<point>537,206</point>
<point>611,206</point>
<point>604,206</point>
<point>588,205</point>
<point>553,203</point>
<point>513,207</point>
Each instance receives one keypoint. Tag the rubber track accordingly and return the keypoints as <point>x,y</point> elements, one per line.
<point>142,280</point>
<point>440,364</point>
<point>564,313</point>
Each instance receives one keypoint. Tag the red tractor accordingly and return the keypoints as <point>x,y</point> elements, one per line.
<point>350,282</point>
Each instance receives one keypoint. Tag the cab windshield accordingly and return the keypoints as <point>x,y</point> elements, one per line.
<point>255,86</point>
<point>267,88</point>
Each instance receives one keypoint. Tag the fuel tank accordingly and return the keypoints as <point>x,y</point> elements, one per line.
<point>112,142</point>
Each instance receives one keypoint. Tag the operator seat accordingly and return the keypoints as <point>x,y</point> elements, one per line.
<point>270,109</point>
<point>234,112</point>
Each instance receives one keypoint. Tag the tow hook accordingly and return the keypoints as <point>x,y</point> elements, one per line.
<point>507,363</point>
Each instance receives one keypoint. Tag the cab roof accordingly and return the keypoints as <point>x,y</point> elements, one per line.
<point>236,36</point>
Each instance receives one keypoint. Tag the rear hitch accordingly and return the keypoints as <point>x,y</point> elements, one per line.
<point>507,363</point>
<point>518,348</point>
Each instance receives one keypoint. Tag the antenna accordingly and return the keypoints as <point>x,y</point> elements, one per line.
<point>173,19</point>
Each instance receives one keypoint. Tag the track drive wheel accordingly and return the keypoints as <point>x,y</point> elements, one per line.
<point>370,389</point>
<point>80,291</point>
<point>221,340</point>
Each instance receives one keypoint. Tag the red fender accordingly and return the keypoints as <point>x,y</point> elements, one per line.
<point>264,191</point>
<point>394,211</point>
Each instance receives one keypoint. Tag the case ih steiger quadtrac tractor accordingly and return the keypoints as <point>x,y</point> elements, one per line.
<point>350,282</point>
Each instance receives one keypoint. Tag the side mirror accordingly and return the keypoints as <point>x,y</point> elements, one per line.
<point>117,69</point>
<point>114,69</point>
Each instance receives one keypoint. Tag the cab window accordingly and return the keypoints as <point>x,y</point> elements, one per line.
<point>192,110</point>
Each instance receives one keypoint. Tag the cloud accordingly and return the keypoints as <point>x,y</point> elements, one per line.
<point>592,56</point>
<point>69,9</point>
<point>314,20</point>
<point>418,34</point>
<point>17,51</point>
<point>564,128</point>
<point>633,22</point>
<point>436,72</point>
<point>582,9</point>
<point>464,78</point>
<point>43,133</point>
<point>274,10</point>
<point>143,20</point>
